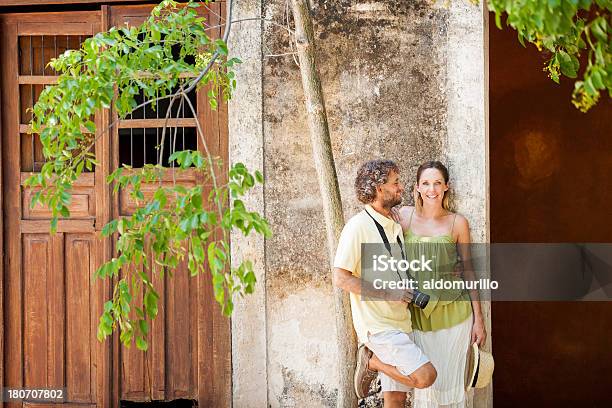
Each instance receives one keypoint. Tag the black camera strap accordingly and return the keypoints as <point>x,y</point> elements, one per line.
<point>419,299</point>
<point>383,235</point>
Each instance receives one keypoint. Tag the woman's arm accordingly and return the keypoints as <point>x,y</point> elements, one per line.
<point>463,240</point>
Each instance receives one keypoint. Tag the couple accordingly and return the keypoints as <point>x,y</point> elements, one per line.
<point>409,347</point>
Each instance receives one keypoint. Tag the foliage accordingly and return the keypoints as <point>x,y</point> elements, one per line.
<point>175,226</point>
<point>178,224</point>
<point>568,29</point>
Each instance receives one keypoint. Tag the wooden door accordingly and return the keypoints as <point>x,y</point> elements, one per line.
<point>189,349</point>
<point>51,308</point>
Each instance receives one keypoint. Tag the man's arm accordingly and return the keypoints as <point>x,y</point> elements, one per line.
<point>347,259</point>
<point>345,280</point>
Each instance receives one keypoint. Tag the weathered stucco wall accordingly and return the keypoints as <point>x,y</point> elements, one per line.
<point>385,69</point>
<point>245,122</point>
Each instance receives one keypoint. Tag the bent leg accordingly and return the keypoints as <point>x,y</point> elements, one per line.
<point>394,399</point>
<point>422,377</point>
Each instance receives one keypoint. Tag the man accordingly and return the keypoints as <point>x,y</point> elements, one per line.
<point>380,317</point>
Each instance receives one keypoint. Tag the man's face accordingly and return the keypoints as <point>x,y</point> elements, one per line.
<point>390,193</point>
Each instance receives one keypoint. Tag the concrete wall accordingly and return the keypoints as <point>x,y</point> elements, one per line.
<point>397,85</point>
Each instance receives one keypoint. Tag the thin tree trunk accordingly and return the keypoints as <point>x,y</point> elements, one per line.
<point>330,192</point>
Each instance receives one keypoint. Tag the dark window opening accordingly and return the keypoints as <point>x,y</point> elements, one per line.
<point>138,147</point>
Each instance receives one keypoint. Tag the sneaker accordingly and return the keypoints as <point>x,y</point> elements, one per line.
<point>363,375</point>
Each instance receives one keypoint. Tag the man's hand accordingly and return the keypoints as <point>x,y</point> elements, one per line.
<point>399,295</point>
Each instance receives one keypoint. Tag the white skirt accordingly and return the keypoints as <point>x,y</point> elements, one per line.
<point>447,350</point>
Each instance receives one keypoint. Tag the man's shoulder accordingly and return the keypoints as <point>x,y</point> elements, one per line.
<point>358,220</point>
<point>360,225</point>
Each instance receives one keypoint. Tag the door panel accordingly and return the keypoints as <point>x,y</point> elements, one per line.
<point>51,307</point>
<point>38,284</point>
<point>79,251</point>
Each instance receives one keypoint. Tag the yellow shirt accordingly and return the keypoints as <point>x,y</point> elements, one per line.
<point>370,316</point>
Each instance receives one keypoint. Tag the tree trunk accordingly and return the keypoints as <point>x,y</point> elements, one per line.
<point>330,193</point>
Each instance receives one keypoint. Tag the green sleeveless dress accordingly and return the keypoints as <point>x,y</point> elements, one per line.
<point>446,307</point>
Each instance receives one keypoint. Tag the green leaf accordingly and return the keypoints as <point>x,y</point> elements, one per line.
<point>102,271</point>
<point>498,22</point>
<point>89,125</point>
<point>141,344</point>
<point>221,46</point>
<point>144,326</point>
<point>198,250</point>
<point>191,265</point>
<point>150,303</point>
<point>109,228</point>
<point>597,80</point>
<point>64,211</point>
<point>566,64</point>
<point>196,201</point>
<point>588,87</point>
<point>174,156</point>
<point>79,168</point>
<point>598,31</point>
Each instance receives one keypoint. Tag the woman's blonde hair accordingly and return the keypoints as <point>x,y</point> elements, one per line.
<point>418,200</point>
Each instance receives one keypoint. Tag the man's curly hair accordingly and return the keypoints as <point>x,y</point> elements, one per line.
<point>371,175</point>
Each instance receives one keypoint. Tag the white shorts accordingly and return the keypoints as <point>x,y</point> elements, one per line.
<point>396,348</point>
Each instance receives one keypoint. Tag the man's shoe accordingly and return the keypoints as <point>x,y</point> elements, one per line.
<point>363,375</point>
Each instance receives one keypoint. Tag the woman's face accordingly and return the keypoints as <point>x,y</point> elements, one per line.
<point>432,186</point>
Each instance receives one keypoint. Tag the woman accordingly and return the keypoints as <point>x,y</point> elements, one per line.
<point>452,320</point>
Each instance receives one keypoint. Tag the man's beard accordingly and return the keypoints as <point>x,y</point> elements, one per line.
<point>391,202</point>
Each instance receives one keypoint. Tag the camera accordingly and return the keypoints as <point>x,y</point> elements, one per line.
<point>420,299</point>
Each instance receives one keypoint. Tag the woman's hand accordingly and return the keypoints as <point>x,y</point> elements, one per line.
<point>479,334</point>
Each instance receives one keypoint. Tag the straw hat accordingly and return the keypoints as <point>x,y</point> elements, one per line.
<point>479,368</point>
